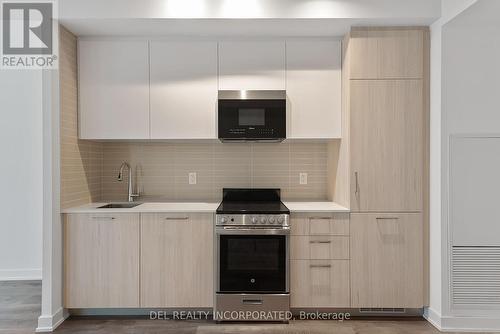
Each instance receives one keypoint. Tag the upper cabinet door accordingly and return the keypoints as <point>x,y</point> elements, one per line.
<point>113,89</point>
<point>386,145</point>
<point>183,89</point>
<point>313,84</point>
<point>252,65</point>
<point>387,54</point>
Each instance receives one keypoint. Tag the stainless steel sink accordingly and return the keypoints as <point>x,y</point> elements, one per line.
<point>119,206</point>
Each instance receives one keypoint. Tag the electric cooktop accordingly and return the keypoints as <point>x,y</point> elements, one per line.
<point>251,201</point>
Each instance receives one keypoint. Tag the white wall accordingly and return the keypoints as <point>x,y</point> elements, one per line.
<point>449,9</point>
<point>21,171</point>
<point>465,50</point>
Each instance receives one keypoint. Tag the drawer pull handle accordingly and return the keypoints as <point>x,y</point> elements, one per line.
<point>104,218</point>
<point>320,218</point>
<point>387,218</point>
<point>320,265</point>
<point>320,242</point>
<point>176,218</point>
<point>253,301</point>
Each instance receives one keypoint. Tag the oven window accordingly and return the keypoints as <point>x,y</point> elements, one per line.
<point>252,263</point>
<point>251,117</point>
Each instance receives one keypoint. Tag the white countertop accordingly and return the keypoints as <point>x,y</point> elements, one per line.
<point>315,207</point>
<point>148,207</point>
<point>200,207</point>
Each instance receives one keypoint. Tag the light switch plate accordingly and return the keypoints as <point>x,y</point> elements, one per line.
<point>303,178</point>
<point>192,178</point>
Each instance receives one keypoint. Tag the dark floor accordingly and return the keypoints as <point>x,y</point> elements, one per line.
<point>20,308</point>
<point>204,327</point>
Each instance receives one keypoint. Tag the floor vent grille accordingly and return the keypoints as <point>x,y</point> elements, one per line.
<point>382,310</point>
<point>476,276</point>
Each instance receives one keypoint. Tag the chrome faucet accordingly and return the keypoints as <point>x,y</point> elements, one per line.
<point>131,194</point>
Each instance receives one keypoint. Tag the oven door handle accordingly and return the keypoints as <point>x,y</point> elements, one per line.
<point>253,231</point>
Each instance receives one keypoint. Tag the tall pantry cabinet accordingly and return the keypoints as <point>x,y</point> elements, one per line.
<point>387,87</point>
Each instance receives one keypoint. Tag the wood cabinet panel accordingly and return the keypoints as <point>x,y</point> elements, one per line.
<point>386,260</point>
<point>303,247</point>
<point>183,89</point>
<point>313,87</point>
<point>101,260</point>
<point>386,145</point>
<point>177,260</point>
<point>320,224</point>
<point>387,53</point>
<point>113,89</point>
<point>319,283</point>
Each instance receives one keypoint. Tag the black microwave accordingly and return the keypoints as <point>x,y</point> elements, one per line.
<point>252,115</point>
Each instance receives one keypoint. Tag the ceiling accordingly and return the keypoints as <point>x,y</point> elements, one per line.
<point>239,17</point>
<point>225,27</point>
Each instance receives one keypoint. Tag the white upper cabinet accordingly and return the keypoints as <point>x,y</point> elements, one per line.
<point>249,65</point>
<point>183,89</point>
<point>313,85</point>
<point>113,89</point>
<point>161,89</point>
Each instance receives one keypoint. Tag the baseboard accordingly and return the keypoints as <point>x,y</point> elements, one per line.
<point>433,317</point>
<point>21,275</point>
<point>461,324</point>
<point>48,323</point>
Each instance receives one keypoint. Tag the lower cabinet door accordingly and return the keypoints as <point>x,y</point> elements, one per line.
<point>177,260</point>
<point>101,260</point>
<point>319,283</point>
<point>386,260</point>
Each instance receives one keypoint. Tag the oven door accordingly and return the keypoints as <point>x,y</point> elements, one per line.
<point>252,260</point>
<point>252,120</point>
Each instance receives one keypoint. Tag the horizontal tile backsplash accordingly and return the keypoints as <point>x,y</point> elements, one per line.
<point>162,169</point>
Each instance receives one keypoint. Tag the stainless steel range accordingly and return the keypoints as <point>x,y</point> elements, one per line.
<point>252,255</point>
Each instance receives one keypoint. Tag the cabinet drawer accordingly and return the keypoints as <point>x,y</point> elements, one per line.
<point>166,217</point>
<point>320,224</point>
<point>326,247</point>
<point>319,283</point>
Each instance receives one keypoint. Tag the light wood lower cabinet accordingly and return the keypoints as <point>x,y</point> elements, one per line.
<point>177,260</point>
<point>319,283</point>
<point>101,260</point>
<point>386,260</point>
<point>328,247</point>
<point>319,260</point>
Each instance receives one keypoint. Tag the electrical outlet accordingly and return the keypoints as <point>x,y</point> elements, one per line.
<point>303,178</point>
<point>192,178</point>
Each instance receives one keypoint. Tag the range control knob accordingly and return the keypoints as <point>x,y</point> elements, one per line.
<point>255,220</point>
<point>223,220</point>
<point>263,220</point>
<point>281,219</point>
<point>271,220</point>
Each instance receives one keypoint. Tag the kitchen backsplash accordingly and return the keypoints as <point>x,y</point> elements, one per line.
<point>162,169</point>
